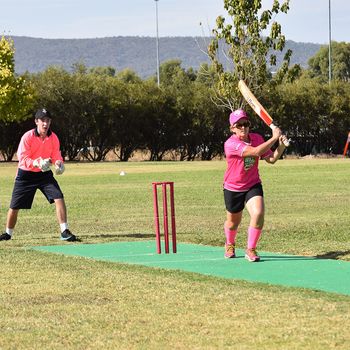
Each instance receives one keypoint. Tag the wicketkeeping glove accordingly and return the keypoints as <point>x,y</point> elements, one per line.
<point>59,169</point>
<point>43,164</point>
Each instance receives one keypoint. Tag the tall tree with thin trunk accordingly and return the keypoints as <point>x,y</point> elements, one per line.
<point>241,49</point>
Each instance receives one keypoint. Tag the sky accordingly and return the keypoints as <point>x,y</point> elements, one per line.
<point>306,21</point>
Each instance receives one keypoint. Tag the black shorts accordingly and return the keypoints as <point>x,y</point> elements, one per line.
<point>26,184</point>
<point>235,201</point>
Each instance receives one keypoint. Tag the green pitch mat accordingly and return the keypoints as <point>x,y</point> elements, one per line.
<point>287,270</point>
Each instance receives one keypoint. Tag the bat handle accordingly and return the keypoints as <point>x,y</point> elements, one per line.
<point>286,142</point>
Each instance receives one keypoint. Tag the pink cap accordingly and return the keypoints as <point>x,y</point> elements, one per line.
<point>236,115</point>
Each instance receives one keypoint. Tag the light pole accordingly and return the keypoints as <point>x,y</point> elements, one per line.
<point>330,43</point>
<point>158,79</point>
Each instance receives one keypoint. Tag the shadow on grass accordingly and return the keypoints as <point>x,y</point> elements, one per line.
<point>284,258</point>
<point>333,255</point>
<point>336,255</point>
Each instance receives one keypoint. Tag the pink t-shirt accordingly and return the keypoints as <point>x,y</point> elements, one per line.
<point>33,146</point>
<point>242,172</point>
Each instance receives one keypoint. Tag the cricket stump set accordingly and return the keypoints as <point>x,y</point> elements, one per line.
<point>165,186</point>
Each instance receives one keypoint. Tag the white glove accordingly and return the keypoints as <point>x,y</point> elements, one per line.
<point>45,164</point>
<point>59,168</point>
<point>42,164</point>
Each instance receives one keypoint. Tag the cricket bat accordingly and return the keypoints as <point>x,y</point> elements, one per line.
<point>257,107</point>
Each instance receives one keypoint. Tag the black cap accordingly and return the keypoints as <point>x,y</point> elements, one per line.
<point>42,113</point>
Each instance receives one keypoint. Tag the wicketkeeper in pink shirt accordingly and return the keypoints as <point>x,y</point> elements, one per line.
<point>242,184</point>
<point>38,149</point>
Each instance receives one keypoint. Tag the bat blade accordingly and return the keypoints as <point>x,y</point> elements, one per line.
<point>257,107</point>
<point>254,103</point>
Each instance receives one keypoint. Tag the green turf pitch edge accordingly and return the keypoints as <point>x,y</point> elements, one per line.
<point>277,269</point>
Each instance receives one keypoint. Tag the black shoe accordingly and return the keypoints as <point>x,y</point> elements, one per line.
<point>5,237</point>
<point>66,235</point>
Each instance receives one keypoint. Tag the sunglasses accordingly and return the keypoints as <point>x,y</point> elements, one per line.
<point>242,125</point>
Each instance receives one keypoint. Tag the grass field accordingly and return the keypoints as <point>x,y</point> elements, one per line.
<point>50,301</point>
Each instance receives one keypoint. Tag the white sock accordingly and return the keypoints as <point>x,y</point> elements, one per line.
<point>63,227</point>
<point>9,231</point>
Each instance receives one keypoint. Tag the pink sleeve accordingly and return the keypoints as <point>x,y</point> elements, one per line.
<point>234,148</point>
<point>56,153</point>
<point>24,151</point>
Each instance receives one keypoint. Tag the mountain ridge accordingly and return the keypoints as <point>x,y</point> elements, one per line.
<point>120,52</point>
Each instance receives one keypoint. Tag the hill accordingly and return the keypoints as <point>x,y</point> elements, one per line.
<point>137,53</point>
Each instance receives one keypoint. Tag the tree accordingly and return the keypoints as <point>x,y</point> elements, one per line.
<point>168,70</point>
<point>129,105</point>
<point>10,136</point>
<point>339,117</point>
<point>127,75</point>
<point>68,97</point>
<point>100,114</point>
<point>159,126</point>
<point>245,49</point>
<point>206,74</point>
<point>304,109</point>
<point>319,64</point>
<point>16,95</point>
<point>211,123</point>
<point>110,71</point>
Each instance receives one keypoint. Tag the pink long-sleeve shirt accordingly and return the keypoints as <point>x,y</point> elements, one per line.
<point>32,146</point>
<point>242,172</point>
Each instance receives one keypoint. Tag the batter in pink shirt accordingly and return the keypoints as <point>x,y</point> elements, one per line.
<point>242,172</point>
<point>242,183</point>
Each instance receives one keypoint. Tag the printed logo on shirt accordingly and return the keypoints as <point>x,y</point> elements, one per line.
<point>249,162</point>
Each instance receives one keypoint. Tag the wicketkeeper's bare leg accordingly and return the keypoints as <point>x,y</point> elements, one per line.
<point>12,215</point>
<point>61,212</point>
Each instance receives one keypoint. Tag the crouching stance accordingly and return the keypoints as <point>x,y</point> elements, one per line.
<point>39,148</point>
<point>242,184</point>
